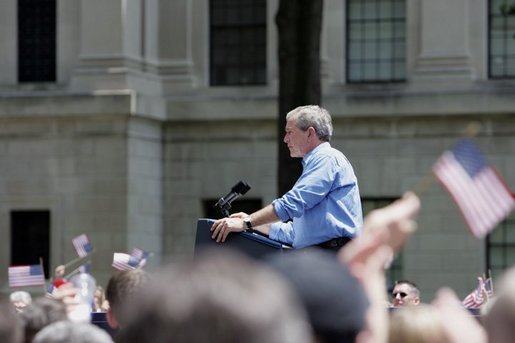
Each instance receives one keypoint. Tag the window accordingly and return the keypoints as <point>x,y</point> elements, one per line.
<point>395,272</point>
<point>30,238</point>
<point>238,42</point>
<point>500,247</point>
<point>376,40</point>
<point>501,43</point>
<point>36,40</point>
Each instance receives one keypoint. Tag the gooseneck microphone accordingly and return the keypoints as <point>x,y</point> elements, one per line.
<point>224,203</point>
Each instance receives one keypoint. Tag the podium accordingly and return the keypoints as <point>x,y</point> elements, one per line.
<point>252,244</point>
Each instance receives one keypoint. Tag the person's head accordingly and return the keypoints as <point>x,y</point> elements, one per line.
<point>405,293</point>
<point>498,314</point>
<point>20,299</point>
<point>335,301</point>
<point>416,324</point>
<point>40,313</point>
<point>67,331</point>
<point>307,127</point>
<point>120,289</point>
<point>99,299</point>
<point>219,296</point>
<point>11,327</point>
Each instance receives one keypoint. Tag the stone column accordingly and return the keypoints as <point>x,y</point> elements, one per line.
<point>441,35</point>
<point>101,60</point>
<point>168,45</point>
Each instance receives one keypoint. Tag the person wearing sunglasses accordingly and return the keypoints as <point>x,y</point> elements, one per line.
<point>405,293</point>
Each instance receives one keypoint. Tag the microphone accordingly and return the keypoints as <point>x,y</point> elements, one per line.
<point>224,203</point>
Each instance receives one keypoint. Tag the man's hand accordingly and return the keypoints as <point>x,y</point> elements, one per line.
<point>222,227</point>
<point>459,325</point>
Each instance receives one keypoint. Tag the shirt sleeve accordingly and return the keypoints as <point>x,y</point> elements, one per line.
<point>312,187</point>
<point>282,232</point>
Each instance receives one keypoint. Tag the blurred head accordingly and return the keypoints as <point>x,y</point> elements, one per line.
<point>119,292</point>
<point>40,313</point>
<point>11,327</point>
<point>498,317</point>
<point>405,293</point>
<point>334,299</point>
<point>416,324</point>
<point>20,299</point>
<point>306,127</point>
<point>220,296</point>
<point>67,331</point>
<point>99,299</point>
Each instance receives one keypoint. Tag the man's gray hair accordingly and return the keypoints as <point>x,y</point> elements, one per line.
<point>313,116</point>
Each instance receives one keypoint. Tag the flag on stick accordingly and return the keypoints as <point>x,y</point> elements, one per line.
<point>477,297</point>
<point>478,190</point>
<point>141,255</point>
<point>489,287</point>
<point>22,276</point>
<point>82,245</point>
<point>123,261</point>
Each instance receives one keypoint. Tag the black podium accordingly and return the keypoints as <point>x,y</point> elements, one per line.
<point>252,244</point>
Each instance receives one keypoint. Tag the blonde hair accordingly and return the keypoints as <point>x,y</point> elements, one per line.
<point>416,324</point>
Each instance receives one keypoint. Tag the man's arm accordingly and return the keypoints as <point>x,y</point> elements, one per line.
<point>259,220</point>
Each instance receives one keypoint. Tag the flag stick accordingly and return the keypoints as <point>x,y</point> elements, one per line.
<point>44,276</point>
<point>73,272</point>
<point>78,259</point>
<point>423,185</point>
<point>491,279</point>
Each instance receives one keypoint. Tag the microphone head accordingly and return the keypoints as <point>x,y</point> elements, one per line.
<point>240,188</point>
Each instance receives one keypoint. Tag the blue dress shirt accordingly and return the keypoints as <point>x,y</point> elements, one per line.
<point>323,204</point>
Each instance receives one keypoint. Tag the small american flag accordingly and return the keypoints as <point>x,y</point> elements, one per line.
<point>489,287</point>
<point>22,276</point>
<point>123,261</point>
<point>141,255</point>
<point>82,245</point>
<point>479,191</point>
<point>477,297</point>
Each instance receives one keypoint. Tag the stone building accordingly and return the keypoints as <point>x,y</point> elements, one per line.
<point>125,119</point>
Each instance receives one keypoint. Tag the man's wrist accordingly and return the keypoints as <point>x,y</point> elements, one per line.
<point>247,223</point>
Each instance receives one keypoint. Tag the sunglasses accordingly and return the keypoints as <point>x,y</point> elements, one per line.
<point>402,294</point>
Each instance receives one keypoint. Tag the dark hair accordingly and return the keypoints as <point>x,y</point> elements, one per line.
<point>11,327</point>
<point>217,297</point>
<point>40,313</point>
<point>335,300</point>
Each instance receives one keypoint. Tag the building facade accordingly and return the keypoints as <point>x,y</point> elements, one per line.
<point>125,119</point>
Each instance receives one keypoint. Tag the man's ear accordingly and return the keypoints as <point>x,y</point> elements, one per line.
<point>111,320</point>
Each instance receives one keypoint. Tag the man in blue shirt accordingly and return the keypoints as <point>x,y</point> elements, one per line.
<point>323,207</point>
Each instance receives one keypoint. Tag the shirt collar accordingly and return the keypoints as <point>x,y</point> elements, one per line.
<point>312,152</point>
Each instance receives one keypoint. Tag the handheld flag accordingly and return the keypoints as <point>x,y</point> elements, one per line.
<point>489,287</point>
<point>477,297</point>
<point>22,276</point>
<point>82,245</point>
<point>123,261</point>
<point>477,189</point>
<point>141,255</point>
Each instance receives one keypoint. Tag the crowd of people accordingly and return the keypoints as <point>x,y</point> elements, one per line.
<point>330,288</point>
<point>305,295</point>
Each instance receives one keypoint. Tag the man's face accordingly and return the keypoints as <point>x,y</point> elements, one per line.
<point>404,295</point>
<point>296,139</point>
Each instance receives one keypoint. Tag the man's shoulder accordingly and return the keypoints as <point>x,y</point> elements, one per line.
<point>327,152</point>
